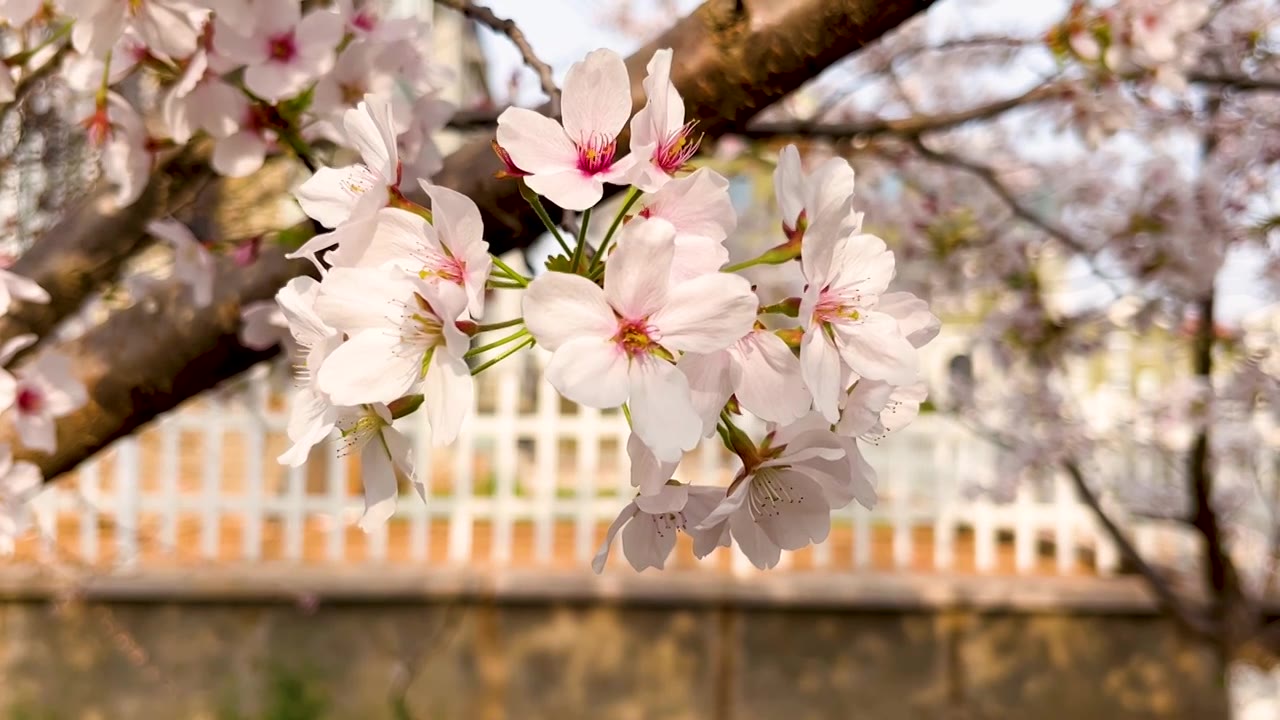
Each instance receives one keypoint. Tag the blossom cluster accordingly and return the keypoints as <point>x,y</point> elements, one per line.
<point>1141,36</point>
<point>650,319</point>
<point>253,75</point>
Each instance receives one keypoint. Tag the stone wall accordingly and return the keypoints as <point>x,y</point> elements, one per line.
<point>469,659</point>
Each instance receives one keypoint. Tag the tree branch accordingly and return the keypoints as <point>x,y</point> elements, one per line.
<point>1189,620</point>
<point>485,16</point>
<point>1235,82</point>
<point>736,58</point>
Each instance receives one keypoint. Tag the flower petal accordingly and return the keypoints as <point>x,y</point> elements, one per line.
<point>537,144</point>
<point>559,307</point>
<point>369,367</point>
<point>707,313</point>
<point>596,100</point>
<point>635,275</point>
<point>591,371</point>
<point>662,413</point>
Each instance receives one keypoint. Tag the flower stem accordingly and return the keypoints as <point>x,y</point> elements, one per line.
<point>499,325</point>
<point>522,332</point>
<point>582,240</point>
<point>536,203</point>
<point>516,277</point>
<point>744,265</point>
<point>527,342</point>
<point>632,196</point>
<point>502,285</point>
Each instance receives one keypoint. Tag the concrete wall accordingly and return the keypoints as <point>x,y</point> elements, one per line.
<point>468,659</point>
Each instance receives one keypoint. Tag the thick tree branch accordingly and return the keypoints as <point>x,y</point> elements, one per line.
<point>736,57</point>
<point>86,248</point>
<point>1235,82</point>
<point>1186,617</point>
<point>485,16</point>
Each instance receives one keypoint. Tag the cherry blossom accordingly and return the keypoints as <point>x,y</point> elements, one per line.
<point>615,345</point>
<point>759,370</point>
<point>284,51</point>
<point>569,164</point>
<point>874,409</point>
<point>450,249</point>
<point>193,264</point>
<point>823,197</point>
<point>45,389</point>
<point>16,287</point>
<point>843,327</point>
<point>649,525</point>
<point>662,142</point>
<point>19,12</point>
<point>781,503</point>
<point>386,455</point>
<point>698,206</point>
<point>312,416</point>
<point>18,482</point>
<point>402,334</point>
<point>166,27</point>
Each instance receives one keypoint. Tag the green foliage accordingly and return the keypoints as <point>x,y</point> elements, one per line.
<point>288,697</point>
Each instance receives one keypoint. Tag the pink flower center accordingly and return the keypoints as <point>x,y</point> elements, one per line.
<point>595,154</point>
<point>836,308</point>
<point>673,152</point>
<point>283,47</point>
<point>445,267</point>
<point>30,400</point>
<point>634,337</point>
<point>364,20</point>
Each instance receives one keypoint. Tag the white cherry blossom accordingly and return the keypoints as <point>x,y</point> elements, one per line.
<point>661,141</point>
<point>650,524</point>
<point>616,344</point>
<point>698,206</point>
<point>569,163</point>
<point>193,264</point>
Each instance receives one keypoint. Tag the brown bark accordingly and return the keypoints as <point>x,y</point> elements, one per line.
<point>733,58</point>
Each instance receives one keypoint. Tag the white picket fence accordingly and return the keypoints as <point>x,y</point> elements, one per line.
<point>533,481</point>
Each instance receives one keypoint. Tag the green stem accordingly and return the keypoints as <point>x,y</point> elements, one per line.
<point>632,196</point>
<point>516,277</point>
<point>21,58</point>
<point>582,240</point>
<point>522,332</point>
<point>744,265</point>
<point>500,325</point>
<point>481,368</point>
<point>536,203</point>
<point>500,285</point>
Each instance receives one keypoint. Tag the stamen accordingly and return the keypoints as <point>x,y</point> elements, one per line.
<point>595,154</point>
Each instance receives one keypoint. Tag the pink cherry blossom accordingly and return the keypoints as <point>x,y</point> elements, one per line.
<point>402,334</point>
<point>843,328</point>
<point>569,164</point>
<point>823,197</point>
<point>45,389</point>
<point>760,370</point>
<point>362,69</point>
<point>283,51</point>
<point>661,141</point>
<point>615,345</point>
<point>193,264</point>
<point>699,207</point>
<point>166,27</point>
<point>312,416</point>
<point>331,196</point>
<point>449,249</point>
<point>386,455</point>
<point>649,525</point>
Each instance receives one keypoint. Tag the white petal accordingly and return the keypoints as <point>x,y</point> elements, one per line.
<point>635,275</point>
<point>239,155</point>
<point>728,504</point>
<point>448,392</point>
<point>875,348</point>
<point>37,432</point>
<point>371,131</point>
<point>668,499</point>
<point>355,299</point>
<point>647,473</point>
<point>369,367</point>
<point>311,419</point>
<point>763,552</point>
<point>378,474</point>
<point>707,313</point>
<point>596,99</point>
<point>799,517</point>
<point>710,385</point>
<point>591,371</point>
<point>662,413</point>
<point>559,307</point>
<point>23,288</point>
<point>628,512</point>
<point>913,316</point>
<point>647,541</point>
<point>769,384</point>
<point>15,345</point>
<point>570,189</point>
<point>788,182</point>
<point>862,409</point>
<point>820,366</point>
<point>537,144</point>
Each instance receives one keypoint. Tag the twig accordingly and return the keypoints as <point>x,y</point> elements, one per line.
<point>1193,622</point>
<point>1235,82</point>
<point>485,16</point>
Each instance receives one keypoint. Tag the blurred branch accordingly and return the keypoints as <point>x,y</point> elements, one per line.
<point>485,16</point>
<point>1189,620</point>
<point>736,58</point>
<point>1235,82</point>
<point>30,81</point>
<point>988,176</point>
